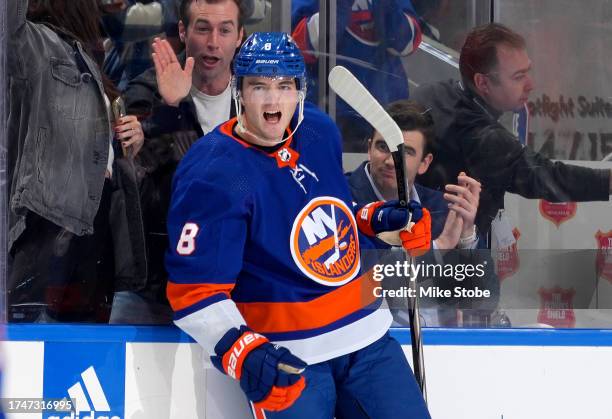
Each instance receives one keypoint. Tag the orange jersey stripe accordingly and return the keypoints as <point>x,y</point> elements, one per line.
<point>290,317</point>
<point>184,295</point>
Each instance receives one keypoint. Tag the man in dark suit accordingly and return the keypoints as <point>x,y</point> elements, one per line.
<point>452,212</point>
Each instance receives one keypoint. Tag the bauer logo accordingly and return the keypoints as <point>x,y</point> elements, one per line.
<point>90,373</point>
<point>324,242</point>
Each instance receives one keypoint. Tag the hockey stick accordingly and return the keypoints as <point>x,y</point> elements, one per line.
<point>357,96</point>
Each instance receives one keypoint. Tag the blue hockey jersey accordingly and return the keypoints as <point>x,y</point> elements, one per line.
<point>371,39</point>
<point>270,240</point>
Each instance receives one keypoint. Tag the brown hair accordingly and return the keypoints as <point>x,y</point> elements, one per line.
<point>76,19</point>
<point>479,52</point>
<point>185,4</point>
<point>410,116</point>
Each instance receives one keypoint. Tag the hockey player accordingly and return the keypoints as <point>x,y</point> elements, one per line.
<point>265,265</point>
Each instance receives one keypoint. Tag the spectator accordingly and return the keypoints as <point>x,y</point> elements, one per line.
<point>372,37</point>
<point>495,78</point>
<point>183,98</point>
<point>375,180</point>
<point>74,218</point>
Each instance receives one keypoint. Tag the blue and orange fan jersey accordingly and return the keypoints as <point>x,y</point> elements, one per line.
<point>270,240</point>
<point>373,54</point>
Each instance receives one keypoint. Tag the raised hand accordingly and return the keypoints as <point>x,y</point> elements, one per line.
<point>464,199</point>
<point>173,82</point>
<point>451,233</point>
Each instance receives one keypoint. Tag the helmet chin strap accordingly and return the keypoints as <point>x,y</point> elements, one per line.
<point>242,129</point>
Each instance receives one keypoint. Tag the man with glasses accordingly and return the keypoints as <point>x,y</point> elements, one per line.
<point>496,78</point>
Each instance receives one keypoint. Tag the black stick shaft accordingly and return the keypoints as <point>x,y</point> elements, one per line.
<point>400,176</point>
<point>413,307</point>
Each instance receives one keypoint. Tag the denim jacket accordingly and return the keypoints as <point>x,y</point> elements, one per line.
<point>59,130</point>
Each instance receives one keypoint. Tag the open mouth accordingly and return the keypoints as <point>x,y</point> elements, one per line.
<point>272,117</point>
<point>211,60</point>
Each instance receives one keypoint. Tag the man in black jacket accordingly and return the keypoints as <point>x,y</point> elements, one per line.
<point>495,73</point>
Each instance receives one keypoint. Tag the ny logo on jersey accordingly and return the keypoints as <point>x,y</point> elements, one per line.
<point>361,24</point>
<point>362,5</point>
<point>324,242</point>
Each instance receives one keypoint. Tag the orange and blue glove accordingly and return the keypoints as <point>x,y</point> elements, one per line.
<point>392,223</point>
<point>269,375</point>
<point>417,239</point>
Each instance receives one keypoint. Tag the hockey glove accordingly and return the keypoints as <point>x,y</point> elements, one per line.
<point>416,240</point>
<point>269,375</point>
<point>389,222</point>
<point>381,216</point>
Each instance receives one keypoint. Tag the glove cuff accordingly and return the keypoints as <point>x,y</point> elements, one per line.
<point>365,217</point>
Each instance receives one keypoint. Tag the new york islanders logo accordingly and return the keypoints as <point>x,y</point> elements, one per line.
<point>324,242</point>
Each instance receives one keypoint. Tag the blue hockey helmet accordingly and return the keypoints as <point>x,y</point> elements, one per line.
<point>270,54</point>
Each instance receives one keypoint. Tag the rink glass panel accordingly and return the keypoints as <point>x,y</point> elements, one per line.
<point>560,273</point>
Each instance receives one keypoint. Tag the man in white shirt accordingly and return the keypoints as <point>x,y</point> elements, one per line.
<point>181,99</point>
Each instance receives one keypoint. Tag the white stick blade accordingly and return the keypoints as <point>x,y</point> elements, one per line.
<point>346,85</point>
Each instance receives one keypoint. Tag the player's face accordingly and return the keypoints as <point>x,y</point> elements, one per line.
<point>269,105</point>
<point>382,168</point>
<point>212,37</point>
<point>510,83</point>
